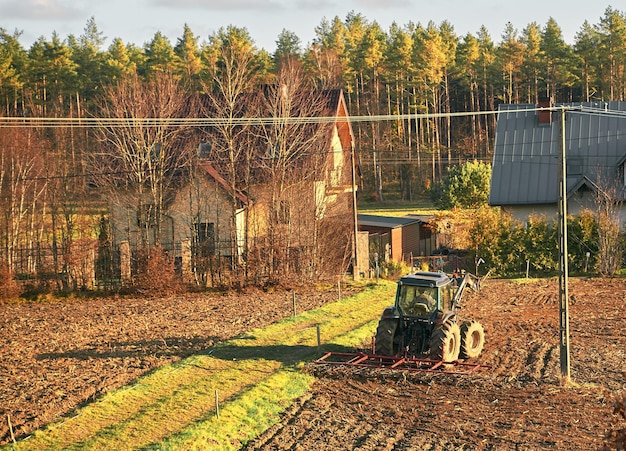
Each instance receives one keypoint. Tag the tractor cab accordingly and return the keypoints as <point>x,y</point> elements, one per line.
<point>422,293</point>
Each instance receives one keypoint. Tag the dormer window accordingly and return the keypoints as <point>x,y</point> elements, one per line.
<point>574,166</point>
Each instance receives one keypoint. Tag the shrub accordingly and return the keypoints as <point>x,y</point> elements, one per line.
<point>155,274</point>
<point>393,270</point>
<point>540,240</point>
<point>582,238</point>
<point>506,244</point>
<point>9,288</point>
<point>466,186</point>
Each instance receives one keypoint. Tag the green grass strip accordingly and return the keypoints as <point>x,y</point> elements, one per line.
<point>243,418</point>
<point>334,319</point>
<point>108,424</point>
<point>177,401</point>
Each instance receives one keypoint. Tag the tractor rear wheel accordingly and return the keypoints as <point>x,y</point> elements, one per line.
<point>386,342</point>
<point>445,342</point>
<point>472,339</point>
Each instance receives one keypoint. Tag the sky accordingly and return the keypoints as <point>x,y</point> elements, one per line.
<point>137,21</point>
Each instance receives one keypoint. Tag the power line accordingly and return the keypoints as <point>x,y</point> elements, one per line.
<point>190,122</point>
<point>93,122</point>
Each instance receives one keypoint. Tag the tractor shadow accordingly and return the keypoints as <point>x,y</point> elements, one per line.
<point>185,347</point>
<point>284,354</point>
<point>162,347</point>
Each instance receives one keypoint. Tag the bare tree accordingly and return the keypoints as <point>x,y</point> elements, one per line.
<point>143,149</point>
<point>608,199</point>
<point>233,76</point>
<point>294,169</point>
<point>325,66</point>
<point>22,187</point>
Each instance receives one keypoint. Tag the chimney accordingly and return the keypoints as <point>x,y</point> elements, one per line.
<point>545,117</point>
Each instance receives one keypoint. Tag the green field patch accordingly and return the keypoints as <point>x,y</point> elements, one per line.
<point>243,418</point>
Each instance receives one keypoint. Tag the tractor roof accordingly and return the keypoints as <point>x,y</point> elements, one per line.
<point>426,279</point>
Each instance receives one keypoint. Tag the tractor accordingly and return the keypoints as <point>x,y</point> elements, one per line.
<point>423,321</point>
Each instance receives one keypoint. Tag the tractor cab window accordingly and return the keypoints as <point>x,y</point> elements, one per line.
<point>417,301</point>
<point>447,294</point>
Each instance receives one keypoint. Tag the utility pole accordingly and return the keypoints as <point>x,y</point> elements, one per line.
<point>355,265</point>
<point>563,269</point>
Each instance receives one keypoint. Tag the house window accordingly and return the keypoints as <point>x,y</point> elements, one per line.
<point>205,239</point>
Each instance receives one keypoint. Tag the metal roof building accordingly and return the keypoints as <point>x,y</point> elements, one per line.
<point>525,170</point>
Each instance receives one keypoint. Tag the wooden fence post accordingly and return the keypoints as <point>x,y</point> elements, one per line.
<point>125,263</point>
<point>185,264</point>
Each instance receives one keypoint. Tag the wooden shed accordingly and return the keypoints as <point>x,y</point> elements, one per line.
<point>398,238</point>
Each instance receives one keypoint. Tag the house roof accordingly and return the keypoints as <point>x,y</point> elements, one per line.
<point>389,222</point>
<point>525,166</point>
<point>211,171</point>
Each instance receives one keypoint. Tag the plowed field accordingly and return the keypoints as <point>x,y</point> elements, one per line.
<point>56,356</point>
<point>519,404</point>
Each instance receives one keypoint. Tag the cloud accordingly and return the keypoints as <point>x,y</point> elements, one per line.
<point>223,5</point>
<point>39,10</point>
<point>372,4</point>
<point>315,5</point>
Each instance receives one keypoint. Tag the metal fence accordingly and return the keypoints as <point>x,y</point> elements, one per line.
<point>83,264</point>
<point>90,264</point>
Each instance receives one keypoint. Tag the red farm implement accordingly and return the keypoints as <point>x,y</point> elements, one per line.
<point>373,361</point>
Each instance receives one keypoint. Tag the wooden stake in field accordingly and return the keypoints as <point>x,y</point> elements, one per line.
<point>10,428</point>
<point>217,403</point>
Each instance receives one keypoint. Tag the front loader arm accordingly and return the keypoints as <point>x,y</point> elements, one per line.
<point>469,280</point>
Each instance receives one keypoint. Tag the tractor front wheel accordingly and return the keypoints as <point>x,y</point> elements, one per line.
<point>472,339</point>
<point>386,343</point>
<point>445,342</point>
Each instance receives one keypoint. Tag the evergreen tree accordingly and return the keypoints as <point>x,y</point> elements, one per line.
<point>468,54</point>
<point>188,64</point>
<point>51,74</point>
<point>531,64</point>
<point>89,59</point>
<point>557,59</point>
<point>119,61</point>
<point>287,46</point>
<point>612,53</point>
<point>396,72</point>
<point>586,50</point>
<point>160,55</point>
<point>13,60</point>
<point>487,56</point>
<point>510,57</point>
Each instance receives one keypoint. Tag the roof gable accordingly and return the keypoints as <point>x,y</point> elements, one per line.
<point>212,172</point>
